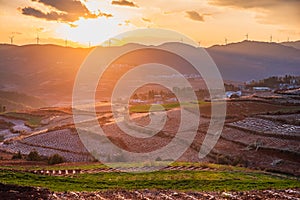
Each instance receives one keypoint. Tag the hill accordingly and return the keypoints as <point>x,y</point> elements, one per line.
<point>295,44</point>
<point>49,71</point>
<point>19,101</point>
<point>249,60</point>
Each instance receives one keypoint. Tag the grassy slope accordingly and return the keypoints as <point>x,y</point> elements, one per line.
<point>143,108</point>
<point>222,178</point>
<point>32,121</point>
<point>15,100</point>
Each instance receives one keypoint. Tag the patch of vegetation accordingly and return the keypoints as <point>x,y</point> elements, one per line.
<point>2,108</point>
<point>15,100</point>
<point>87,166</point>
<point>55,159</point>
<point>17,156</point>
<point>176,180</point>
<point>34,156</point>
<point>5,125</point>
<point>144,108</point>
<point>31,121</point>
<point>274,81</point>
<point>52,160</point>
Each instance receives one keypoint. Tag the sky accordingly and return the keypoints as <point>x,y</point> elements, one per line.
<point>91,22</point>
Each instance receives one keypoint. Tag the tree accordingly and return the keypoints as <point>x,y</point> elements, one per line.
<point>17,156</point>
<point>34,156</point>
<point>55,159</point>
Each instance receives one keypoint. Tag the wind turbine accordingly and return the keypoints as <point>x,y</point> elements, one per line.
<point>226,41</point>
<point>247,36</point>
<point>11,39</point>
<point>37,38</point>
<point>37,35</point>
<point>271,38</point>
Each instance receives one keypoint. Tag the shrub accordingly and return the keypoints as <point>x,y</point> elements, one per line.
<point>34,156</point>
<point>55,159</point>
<point>158,159</point>
<point>17,156</point>
<point>221,159</point>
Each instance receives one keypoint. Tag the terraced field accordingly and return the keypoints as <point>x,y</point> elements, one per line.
<point>258,141</point>
<point>266,143</point>
<point>263,126</point>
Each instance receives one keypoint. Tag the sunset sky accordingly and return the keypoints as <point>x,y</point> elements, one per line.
<point>94,21</point>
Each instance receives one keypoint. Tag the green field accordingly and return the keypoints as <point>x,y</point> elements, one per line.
<point>222,178</point>
<point>32,121</point>
<point>143,108</point>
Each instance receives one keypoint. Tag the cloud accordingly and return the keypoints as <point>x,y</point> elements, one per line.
<point>253,3</point>
<point>39,14</point>
<point>195,16</point>
<point>146,20</point>
<point>107,15</point>
<point>72,25</point>
<point>69,6</point>
<point>68,11</point>
<point>124,3</point>
<point>268,11</point>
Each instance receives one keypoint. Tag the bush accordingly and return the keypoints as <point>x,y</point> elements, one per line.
<point>17,156</point>
<point>222,159</point>
<point>158,159</point>
<point>55,159</point>
<point>34,156</point>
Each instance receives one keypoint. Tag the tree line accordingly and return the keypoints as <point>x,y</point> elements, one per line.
<point>275,81</point>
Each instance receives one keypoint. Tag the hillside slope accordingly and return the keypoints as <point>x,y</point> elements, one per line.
<point>49,71</point>
<point>249,60</point>
<point>19,101</point>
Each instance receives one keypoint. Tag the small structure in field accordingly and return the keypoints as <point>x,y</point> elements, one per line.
<point>261,89</point>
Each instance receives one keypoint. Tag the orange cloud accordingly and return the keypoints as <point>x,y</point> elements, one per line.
<point>268,11</point>
<point>69,11</point>
<point>124,3</point>
<point>195,16</point>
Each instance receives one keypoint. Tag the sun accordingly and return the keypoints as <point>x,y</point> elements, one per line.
<point>95,31</point>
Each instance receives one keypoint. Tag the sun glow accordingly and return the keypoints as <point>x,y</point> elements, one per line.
<point>96,31</point>
<point>95,21</point>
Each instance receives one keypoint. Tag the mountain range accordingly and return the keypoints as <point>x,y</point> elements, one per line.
<point>48,71</point>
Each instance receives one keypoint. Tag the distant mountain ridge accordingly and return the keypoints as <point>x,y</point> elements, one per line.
<point>249,60</point>
<point>19,101</point>
<point>49,71</point>
<point>295,44</point>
